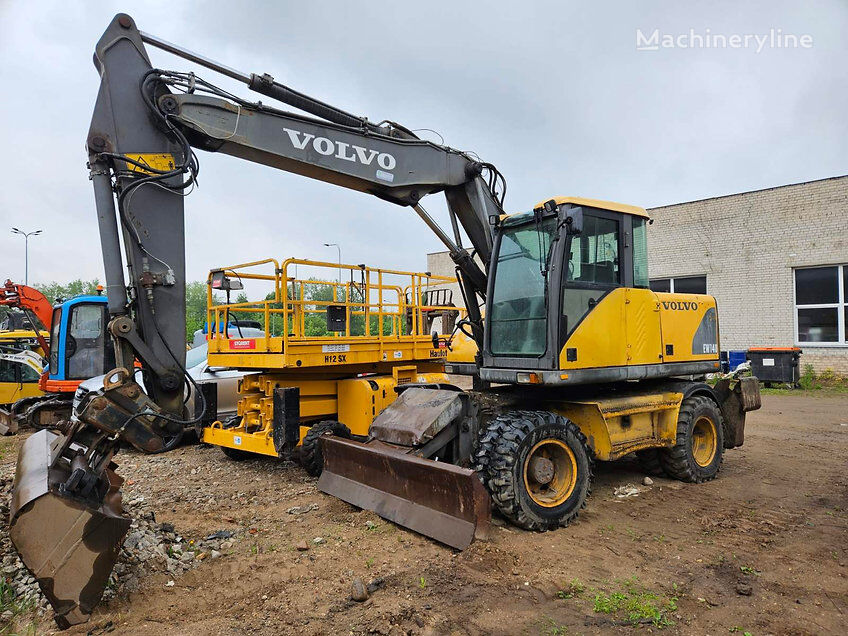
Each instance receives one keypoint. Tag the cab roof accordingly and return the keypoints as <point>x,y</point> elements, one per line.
<point>612,206</point>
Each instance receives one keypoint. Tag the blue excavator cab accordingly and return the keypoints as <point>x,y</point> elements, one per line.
<point>80,347</point>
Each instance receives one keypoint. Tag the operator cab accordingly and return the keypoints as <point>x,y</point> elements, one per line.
<point>582,247</point>
<point>80,346</point>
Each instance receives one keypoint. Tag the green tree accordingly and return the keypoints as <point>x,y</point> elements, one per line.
<point>55,291</point>
<point>195,308</point>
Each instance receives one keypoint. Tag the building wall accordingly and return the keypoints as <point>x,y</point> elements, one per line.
<point>440,264</point>
<point>747,245</point>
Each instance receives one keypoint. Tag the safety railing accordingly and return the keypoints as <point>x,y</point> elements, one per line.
<point>304,301</point>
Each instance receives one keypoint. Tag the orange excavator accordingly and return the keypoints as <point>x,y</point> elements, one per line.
<point>31,302</point>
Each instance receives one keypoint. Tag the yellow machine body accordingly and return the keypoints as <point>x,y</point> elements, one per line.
<point>382,319</point>
<point>616,426</point>
<point>18,380</point>
<point>632,326</point>
<point>353,401</point>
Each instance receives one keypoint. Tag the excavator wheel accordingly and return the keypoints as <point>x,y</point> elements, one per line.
<point>649,461</point>
<point>697,455</point>
<point>310,452</point>
<point>537,467</point>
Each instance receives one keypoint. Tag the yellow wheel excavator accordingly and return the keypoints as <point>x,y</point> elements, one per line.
<point>578,360</point>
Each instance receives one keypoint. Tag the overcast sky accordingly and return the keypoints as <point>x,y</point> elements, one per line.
<point>555,94</point>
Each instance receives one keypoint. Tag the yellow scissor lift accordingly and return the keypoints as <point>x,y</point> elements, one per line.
<point>338,340</point>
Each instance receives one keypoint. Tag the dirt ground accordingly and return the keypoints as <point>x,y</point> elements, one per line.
<point>763,550</point>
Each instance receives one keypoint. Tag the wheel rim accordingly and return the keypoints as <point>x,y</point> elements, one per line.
<point>704,441</point>
<point>550,472</point>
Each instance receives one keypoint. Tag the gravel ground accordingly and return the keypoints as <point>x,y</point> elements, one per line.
<point>253,548</point>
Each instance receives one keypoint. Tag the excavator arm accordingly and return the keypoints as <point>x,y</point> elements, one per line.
<point>31,302</point>
<point>66,518</point>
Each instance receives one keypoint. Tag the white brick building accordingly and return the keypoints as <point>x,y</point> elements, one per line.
<point>751,248</point>
<point>748,250</point>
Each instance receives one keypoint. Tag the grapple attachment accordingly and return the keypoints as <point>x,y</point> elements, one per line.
<point>69,543</point>
<point>437,499</point>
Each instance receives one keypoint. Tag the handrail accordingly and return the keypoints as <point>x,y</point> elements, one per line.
<point>392,299</point>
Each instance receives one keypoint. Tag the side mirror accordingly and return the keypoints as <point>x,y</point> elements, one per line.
<point>574,220</point>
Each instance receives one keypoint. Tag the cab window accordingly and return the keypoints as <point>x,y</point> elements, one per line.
<point>640,253</point>
<point>7,371</point>
<point>593,259</point>
<point>55,330</point>
<point>594,268</point>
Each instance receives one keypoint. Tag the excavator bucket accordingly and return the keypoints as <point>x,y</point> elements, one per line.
<point>69,546</point>
<point>439,500</point>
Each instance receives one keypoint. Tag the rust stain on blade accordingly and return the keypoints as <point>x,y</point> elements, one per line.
<point>441,501</point>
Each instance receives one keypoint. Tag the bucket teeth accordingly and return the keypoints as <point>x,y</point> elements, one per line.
<point>439,500</point>
<point>69,545</point>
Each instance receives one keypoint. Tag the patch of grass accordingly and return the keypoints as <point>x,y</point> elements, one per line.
<point>736,628</point>
<point>636,604</point>
<point>827,382</point>
<point>369,563</point>
<point>575,588</point>
<point>11,602</point>
<point>747,569</point>
<point>550,627</point>
<point>422,582</point>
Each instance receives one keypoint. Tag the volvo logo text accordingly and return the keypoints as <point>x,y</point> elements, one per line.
<point>681,305</point>
<point>340,149</point>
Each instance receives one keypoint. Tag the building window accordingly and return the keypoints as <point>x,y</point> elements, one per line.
<point>680,285</point>
<point>821,305</point>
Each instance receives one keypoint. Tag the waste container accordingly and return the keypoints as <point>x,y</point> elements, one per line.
<point>775,364</point>
<point>735,358</point>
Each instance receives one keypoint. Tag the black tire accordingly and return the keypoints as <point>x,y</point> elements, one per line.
<point>697,414</point>
<point>503,458</point>
<point>311,457</point>
<point>650,463</point>
<point>235,454</point>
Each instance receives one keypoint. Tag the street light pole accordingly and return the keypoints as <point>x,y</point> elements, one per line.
<point>336,245</point>
<point>26,236</point>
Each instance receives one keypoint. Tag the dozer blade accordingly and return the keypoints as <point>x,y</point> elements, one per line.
<point>439,500</point>
<point>70,546</point>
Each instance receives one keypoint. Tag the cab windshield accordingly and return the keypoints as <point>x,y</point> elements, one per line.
<point>518,314</point>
